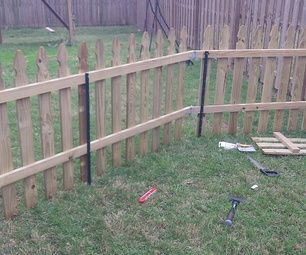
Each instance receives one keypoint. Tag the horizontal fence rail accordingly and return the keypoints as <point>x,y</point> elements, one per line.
<point>38,88</point>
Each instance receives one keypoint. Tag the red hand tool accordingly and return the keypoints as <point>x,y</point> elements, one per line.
<point>146,195</point>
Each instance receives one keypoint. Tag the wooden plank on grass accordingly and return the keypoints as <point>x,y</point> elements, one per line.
<point>253,79</point>
<point>25,130</point>
<point>116,105</point>
<point>282,152</point>
<point>279,145</point>
<point>181,83</point>
<point>284,80</point>
<point>66,116</point>
<point>8,192</point>
<point>157,91</point>
<point>297,84</point>
<point>286,142</point>
<point>237,80</point>
<point>46,123</point>
<point>268,81</point>
<point>83,67</point>
<point>100,108</point>
<point>274,140</point>
<point>169,86</point>
<point>130,98</point>
<point>144,93</point>
<point>222,68</point>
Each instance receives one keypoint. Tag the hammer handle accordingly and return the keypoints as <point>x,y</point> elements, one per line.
<point>230,217</point>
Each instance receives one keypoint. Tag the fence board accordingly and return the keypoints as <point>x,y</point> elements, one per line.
<point>66,115</point>
<point>116,105</point>
<point>6,162</point>
<point>208,40</point>
<point>284,80</point>
<point>157,91</point>
<point>100,107</point>
<point>297,84</point>
<point>25,130</point>
<point>131,107</point>
<point>253,80</point>
<point>169,86</point>
<point>144,93</point>
<point>268,80</point>
<point>221,79</point>
<point>46,123</point>
<point>237,80</point>
<point>83,67</point>
<point>181,82</point>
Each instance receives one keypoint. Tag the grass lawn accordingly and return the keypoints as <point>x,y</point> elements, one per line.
<point>194,179</point>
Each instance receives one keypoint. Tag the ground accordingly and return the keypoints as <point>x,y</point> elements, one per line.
<point>194,179</point>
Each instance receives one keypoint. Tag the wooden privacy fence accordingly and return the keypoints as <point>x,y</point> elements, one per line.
<point>145,110</point>
<point>197,15</point>
<point>33,13</point>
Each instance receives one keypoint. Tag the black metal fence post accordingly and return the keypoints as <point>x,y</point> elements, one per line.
<point>203,89</point>
<point>88,127</point>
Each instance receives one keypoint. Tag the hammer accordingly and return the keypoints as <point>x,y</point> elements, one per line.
<point>231,214</point>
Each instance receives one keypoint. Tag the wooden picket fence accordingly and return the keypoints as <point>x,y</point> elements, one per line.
<point>288,94</point>
<point>151,116</point>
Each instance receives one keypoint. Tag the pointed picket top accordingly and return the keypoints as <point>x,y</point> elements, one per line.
<point>258,38</point>
<point>145,54</point>
<point>183,39</point>
<point>241,37</point>
<point>225,36</point>
<point>1,79</point>
<point>99,52</point>
<point>289,44</point>
<point>171,39</point>
<point>20,69</point>
<point>83,57</point>
<point>208,38</point>
<point>116,52</point>
<point>131,49</point>
<point>62,59</point>
<point>42,64</point>
<point>273,44</point>
<point>159,44</point>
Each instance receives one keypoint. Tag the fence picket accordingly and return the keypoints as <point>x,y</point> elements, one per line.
<point>6,162</point>
<point>222,67</point>
<point>253,79</point>
<point>83,67</point>
<point>268,80</point>
<point>131,106</point>
<point>297,84</point>
<point>25,130</point>
<point>237,80</point>
<point>66,116</point>
<point>46,123</point>
<point>284,80</point>
<point>169,86</point>
<point>116,105</point>
<point>208,40</point>
<point>100,107</point>
<point>181,81</point>
<point>157,91</point>
<point>144,90</point>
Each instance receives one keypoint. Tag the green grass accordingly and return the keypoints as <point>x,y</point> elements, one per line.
<point>194,179</point>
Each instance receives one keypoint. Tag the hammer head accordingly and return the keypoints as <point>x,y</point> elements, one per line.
<point>237,200</point>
